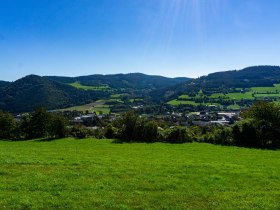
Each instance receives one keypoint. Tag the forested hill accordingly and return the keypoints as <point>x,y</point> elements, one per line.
<point>31,91</point>
<point>3,84</point>
<point>248,77</point>
<point>132,80</point>
<point>58,92</point>
<point>256,76</point>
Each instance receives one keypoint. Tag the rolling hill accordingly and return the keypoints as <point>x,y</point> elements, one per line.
<point>4,84</point>
<point>31,91</point>
<point>59,92</point>
<point>223,82</point>
<point>228,89</point>
<point>135,81</point>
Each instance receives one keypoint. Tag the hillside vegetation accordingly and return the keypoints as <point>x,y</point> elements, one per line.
<point>32,91</point>
<point>224,82</point>
<point>60,92</point>
<point>235,98</point>
<point>117,81</point>
<point>87,174</point>
<point>226,90</point>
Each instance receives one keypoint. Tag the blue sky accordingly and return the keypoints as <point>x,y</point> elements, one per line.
<point>160,37</point>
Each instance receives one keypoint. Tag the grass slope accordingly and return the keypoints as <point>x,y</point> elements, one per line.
<point>84,87</point>
<point>87,174</point>
<point>97,107</point>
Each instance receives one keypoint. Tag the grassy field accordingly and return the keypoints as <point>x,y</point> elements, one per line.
<point>176,102</point>
<point>239,96</point>
<point>98,107</point>
<point>252,94</point>
<point>184,97</point>
<point>275,88</point>
<point>97,174</point>
<point>83,87</point>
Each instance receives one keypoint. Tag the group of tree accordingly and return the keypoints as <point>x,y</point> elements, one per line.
<point>132,128</point>
<point>259,127</point>
<point>38,124</point>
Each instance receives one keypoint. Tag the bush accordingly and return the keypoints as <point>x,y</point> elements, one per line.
<point>79,132</point>
<point>57,127</point>
<point>131,128</point>
<point>7,125</point>
<point>218,135</point>
<point>110,132</point>
<point>178,135</point>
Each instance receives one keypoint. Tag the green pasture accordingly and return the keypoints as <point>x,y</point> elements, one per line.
<point>184,97</point>
<point>217,96</point>
<point>97,174</point>
<point>265,95</point>
<point>275,88</point>
<point>176,102</point>
<point>83,87</point>
<point>98,107</point>
<point>239,96</point>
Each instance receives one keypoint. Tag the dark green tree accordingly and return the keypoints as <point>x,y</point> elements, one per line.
<point>128,121</point>
<point>261,127</point>
<point>150,132</point>
<point>57,126</point>
<point>178,135</point>
<point>7,125</point>
<point>38,123</point>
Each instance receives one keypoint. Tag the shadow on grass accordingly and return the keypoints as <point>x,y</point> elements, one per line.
<point>48,139</point>
<point>35,140</point>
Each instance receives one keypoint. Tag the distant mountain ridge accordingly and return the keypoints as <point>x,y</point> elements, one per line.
<point>4,84</point>
<point>255,76</point>
<point>57,92</point>
<point>31,91</point>
<point>131,80</point>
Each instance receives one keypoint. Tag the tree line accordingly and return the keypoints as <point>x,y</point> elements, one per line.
<point>259,127</point>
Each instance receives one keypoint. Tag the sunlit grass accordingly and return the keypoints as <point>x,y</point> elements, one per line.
<point>97,107</point>
<point>83,87</point>
<point>96,174</point>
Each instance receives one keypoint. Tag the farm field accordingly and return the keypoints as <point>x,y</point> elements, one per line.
<point>97,174</point>
<point>98,107</point>
<point>236,98</point>
<point>96,88</point>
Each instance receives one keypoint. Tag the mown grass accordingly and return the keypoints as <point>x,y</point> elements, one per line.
<point>96,174</point>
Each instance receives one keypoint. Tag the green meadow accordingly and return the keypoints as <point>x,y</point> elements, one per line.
<point>97,107</point>
<point>96,88</point>
<point>176,102</point>
<point>98,174</point>
<point>254,93</point>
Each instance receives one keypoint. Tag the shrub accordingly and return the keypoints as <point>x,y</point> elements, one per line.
<point>178,135</point>
<point>79,132</point>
